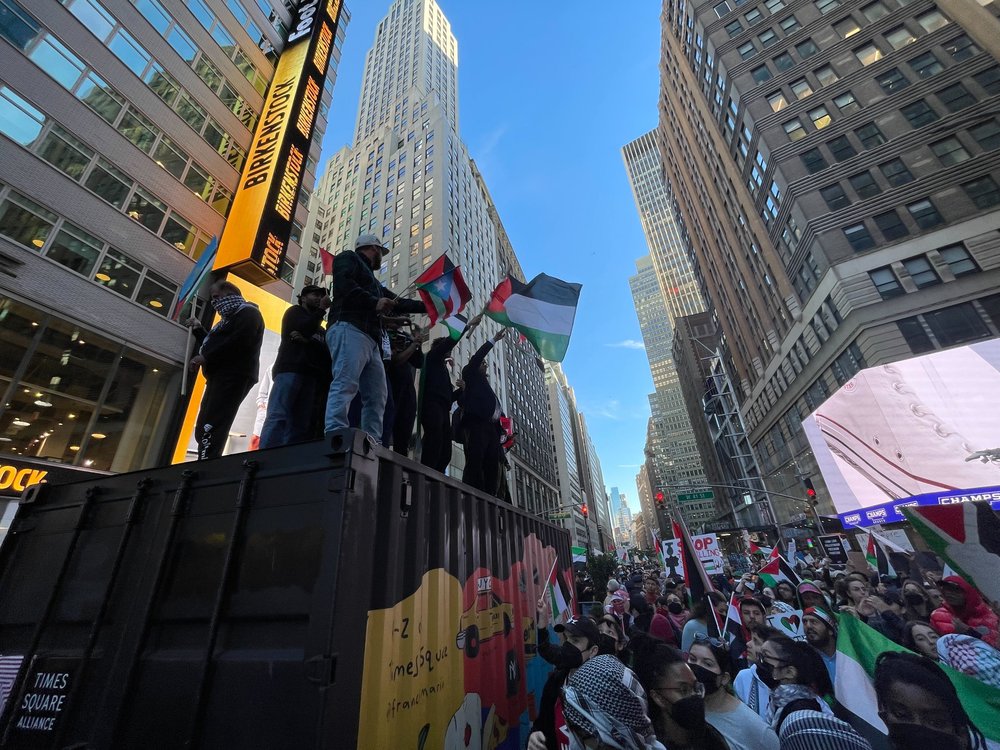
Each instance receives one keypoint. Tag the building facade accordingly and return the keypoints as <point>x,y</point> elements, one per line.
<point>125,125</point>
<point>835,168</point>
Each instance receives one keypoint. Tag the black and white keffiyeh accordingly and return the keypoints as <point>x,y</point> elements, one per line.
<point>604,699</point>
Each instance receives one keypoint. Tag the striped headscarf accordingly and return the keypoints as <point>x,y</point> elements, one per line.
<point>812,730</point>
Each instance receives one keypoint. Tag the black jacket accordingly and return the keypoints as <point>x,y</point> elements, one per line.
<point>478,401</point>
<point>309,357</point>
<point>546,720</point>
<point>356,291</point>
<point>233,346</point>
<point>437,380</point>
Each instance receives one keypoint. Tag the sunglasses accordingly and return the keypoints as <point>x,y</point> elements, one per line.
<point>710,640</point>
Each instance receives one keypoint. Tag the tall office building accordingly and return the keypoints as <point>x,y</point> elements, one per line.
<point>592,479</point>
<point>124,127</point>
<point>565,447</point>
<point>624,525</point>
<point>835,169</point>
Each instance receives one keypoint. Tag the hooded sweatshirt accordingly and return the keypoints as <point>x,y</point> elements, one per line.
<point>975,614</point>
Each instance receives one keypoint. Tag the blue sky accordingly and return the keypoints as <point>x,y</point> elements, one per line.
<point>546,101</point>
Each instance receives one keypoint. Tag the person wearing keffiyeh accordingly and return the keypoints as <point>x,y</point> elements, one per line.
<point>229,357</point>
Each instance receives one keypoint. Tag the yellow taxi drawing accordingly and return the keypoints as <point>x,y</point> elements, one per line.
<point>487,617</point>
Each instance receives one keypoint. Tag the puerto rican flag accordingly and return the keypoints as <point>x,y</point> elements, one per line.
<point>442,289</point>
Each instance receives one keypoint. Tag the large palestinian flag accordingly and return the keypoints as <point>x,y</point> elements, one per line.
<point>543,310</point>
<point>967,537</point>
<point>442,289</point>
<point>697,580</point>
<point>778,570</point>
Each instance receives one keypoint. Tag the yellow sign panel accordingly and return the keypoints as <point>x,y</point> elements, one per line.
<point>20,478</point>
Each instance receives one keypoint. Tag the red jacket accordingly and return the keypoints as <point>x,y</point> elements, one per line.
<point>975,613</point>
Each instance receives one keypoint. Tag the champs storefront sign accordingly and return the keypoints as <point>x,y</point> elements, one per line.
<point>259,225</point>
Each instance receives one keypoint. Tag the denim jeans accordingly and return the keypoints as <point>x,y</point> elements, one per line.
<point>289,408</point>
<point>357,368</point>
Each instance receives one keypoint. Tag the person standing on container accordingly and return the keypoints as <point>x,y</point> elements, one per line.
<point>229,357</point>
<point>299,370</point>
<point>481,421</point>
<point>356,338</point>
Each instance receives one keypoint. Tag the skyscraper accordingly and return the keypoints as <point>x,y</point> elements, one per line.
<point>833,164</point>
<point>124,128</point>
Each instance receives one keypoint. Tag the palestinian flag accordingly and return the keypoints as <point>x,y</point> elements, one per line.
<point>579,555</point>
<point>560,598</point>
<point>697,580</point>
<point>967,537</point>
<point>877,559</point>
<point>543,311</point>
<point>622,555</point>
<point>199,272</point>
<point>733,626</point>
<point>858,646</point>
<point>442,289</point>
<point>456,326</point>
<point>778,570</point>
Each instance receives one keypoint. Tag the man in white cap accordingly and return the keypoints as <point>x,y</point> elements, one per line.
<point>357,340</point>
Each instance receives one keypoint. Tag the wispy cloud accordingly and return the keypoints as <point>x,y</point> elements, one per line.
<point>490,142</point>
<point>627,344</point>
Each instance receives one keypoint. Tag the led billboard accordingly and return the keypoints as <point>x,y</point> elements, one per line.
<point>922,431</point>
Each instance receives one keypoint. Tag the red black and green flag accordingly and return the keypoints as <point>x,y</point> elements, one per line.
<point>442,289</point>
<point>967,537</point>
<point>543,310</point>
<point>695,578</point>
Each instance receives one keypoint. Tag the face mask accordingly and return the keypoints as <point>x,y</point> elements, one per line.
<point>706,677</point>
<point>766,674</point>
<point>906,736</point>
<point>689,713</point>
<point>675,608</point>
<point>914,599</point>
<point>570,657</point>
<point>606,644</point>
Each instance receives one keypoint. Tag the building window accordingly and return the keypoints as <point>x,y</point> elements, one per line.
<point>761,74</point>
<point>826,75</point>
<point>734,28</point>
<point>890,225</point>
<point>784,62</point>
<point>864,184</point>
<point>899,37</point>
<point>767,38</point>
<point>984,192</point>
<point>801,88</point>
<point>752,16</point>
<point>868,54</point>
<point>794,129</point>
<point>846,103</point>
<point>921,271</point>
<point>841,148</point>
<point>869,135</point>
<point>789,25</point>
<point>777,101</point>
<point>950,151</point>
<point>806,49</point>
<point>961,48</point>
<point>919,113</point>
<point>747,50</point>
<point>820,117</point>
<point>916,337</point>
<point>927,65</point>
<point>886,283</point>
<point>959,262</point>
<point>987,135</point>
<point>989,79</point>
<point>956,324</point>
<point>924,213</point>
<point>773,6</point>
<point>859,237</point>
<point>835,197</point>
<point>932,20</point>
<point>875,11</point>
<point>956,97</point>
<point>892,81</point>
<point>814,161</point>
<point>896,173</point>
<point>721,9</point>
<point>825,6</point>
<point>846,28</point>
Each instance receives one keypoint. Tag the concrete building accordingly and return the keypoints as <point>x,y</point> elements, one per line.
<point>564,420</point>
<point>592,479</point>
<point>624,532</point>
<point>124,125</point>
<point>834,166</point>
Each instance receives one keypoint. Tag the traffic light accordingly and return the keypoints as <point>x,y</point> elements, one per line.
<point>810,491</point>
<point>661,501</point>
<point>583,509</point>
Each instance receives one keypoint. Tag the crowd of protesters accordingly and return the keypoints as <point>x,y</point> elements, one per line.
<point>647,667</point>
<point>360,372</point>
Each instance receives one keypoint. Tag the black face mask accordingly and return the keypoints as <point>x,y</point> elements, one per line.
<point>765,672</point>
<point>569,657</point>
<point>908,736</point>
<point>689,713</point>
<point>706,677</point>
<point>606,645</point>
<point>914,600</point>
<point>675,608</point>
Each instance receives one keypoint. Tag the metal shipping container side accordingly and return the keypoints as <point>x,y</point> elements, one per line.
<point>325,595</point>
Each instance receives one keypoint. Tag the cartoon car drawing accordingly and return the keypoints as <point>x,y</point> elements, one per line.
<point>487,617</point>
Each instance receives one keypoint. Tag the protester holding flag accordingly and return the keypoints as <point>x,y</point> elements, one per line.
<point>964,611</point>
<point>480,421</point>
<point>820,626</point>
<point>706,613</point>
<point>752,614</point>
<point>741,727</point>
<point>400,371</point>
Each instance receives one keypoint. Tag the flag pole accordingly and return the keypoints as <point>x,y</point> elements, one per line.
<point>187,359</point>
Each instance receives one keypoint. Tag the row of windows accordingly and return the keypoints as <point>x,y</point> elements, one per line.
<point>253,31</point>
<point>951,326</point>
<point>921,270</point>
<point>71,72</point>
<point>36,228</point>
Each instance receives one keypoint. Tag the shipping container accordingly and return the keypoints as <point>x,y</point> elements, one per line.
<point>325,595</point>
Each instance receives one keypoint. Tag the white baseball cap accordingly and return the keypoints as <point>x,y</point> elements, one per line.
<point>369,240</point>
